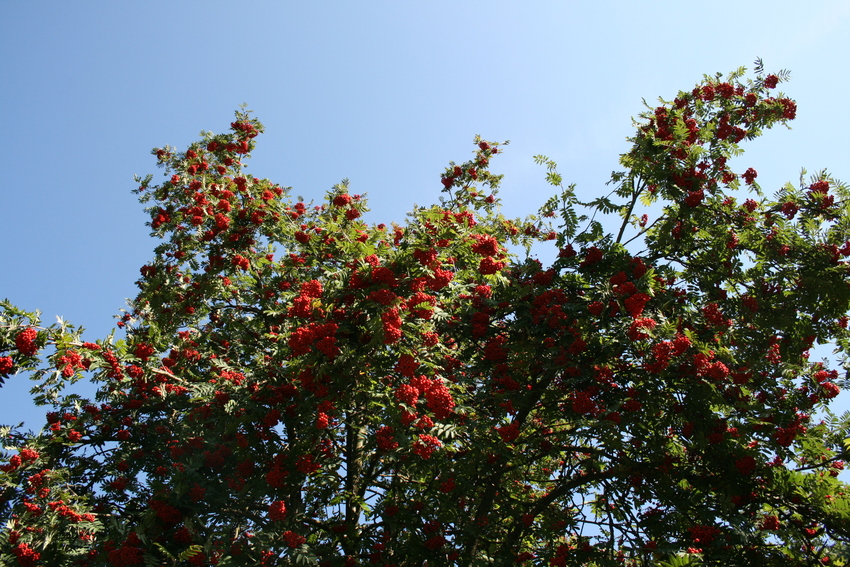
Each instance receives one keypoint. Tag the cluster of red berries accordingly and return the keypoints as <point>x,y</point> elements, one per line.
<point>25,342</point>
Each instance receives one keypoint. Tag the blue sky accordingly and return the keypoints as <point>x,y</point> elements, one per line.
<point>384,93</point>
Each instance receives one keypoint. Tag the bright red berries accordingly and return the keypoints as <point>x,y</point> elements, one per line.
<point>769,523</point>
<point>831,390</point>
<point>789,109</point>
<point>25,342</point>
<point>293,539</point>
<point>635,304</point>
<point>639,327</point>
<point>425,257</point>
<point>426,446</point>
<point>143,351</point>
<point>277,511</point>
<point>322,421</point>
<point>407,394</point>
<point>485,245</point>
<point>714,316</point>
<point>406,365</point>
<point>420,330</point>
<point>819,187</point>
<point>392,326</point>
<point>438,398</point>
<point>27,556</point>
<point>241,262</point>
<point>592,256</point>
<point>489,266</point>
<point>725,90</point>
<point>582,403</point>
<point>342,200</point>
<point>321,336</point>
<point>694,198</point>
<point>312,288</point>
<point>509,432</point>
<point>596,308</point>
<point>352,214</point>
<point>29,455</point>
<point>385,438</point>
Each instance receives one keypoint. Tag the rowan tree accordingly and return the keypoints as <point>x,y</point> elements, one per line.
<point>300,387</point>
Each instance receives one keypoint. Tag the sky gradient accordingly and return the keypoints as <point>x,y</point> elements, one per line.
<point>384,93</point>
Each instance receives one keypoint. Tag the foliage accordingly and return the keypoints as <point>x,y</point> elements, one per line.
<point>299,387</point>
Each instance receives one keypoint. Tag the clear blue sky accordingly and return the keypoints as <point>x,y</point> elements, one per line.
<point>382,92</point>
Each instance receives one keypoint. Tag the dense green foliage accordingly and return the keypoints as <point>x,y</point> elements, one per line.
<point>300,387</point>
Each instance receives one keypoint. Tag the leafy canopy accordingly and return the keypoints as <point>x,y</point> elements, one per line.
<point>300,387</point>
